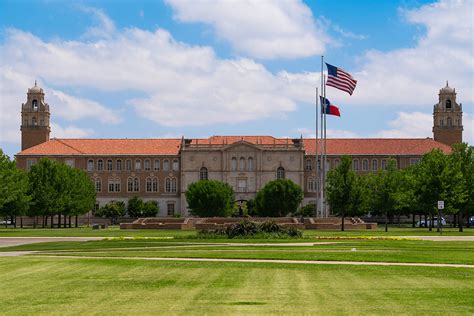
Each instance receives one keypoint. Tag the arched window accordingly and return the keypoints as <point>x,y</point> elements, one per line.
<point>100,165</point>
<point>311,185</point>
<point>448,104</point>
<point>90,165</point>
<point>119,164</point>
<point>375,164</point>
<point>441,122</point>
<point>166,165</point>
<point>309,165</point>
<point>98,184</point>
<point>355,164</point>
<point>280,173</point>
<point>233,164</point>
<point>175,164</point>
<point>365,164</point>
<point>449,121</point>
<point>174,185</point>
<point>136,185</point>
<point>384,164</point>
<point>138,164</point>
<point>171,185</point>
<point>155,185</point>
<point>250,164</point>
<point>128,165</point>
<point>109,164</point>
<point>156,165</point>
<point>130,185</point>
<point>33,121</point>
<point>147,164</point>
<point>203,174</point>
<point>35,105</point>
<point>148,184</point>
<point>114,185</point>
<point>242,164</point>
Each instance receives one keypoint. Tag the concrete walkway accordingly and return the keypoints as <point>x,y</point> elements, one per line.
<point>15,241</point>
<point>357,263</point>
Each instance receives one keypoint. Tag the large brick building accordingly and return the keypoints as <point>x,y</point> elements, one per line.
<point>162,169</point>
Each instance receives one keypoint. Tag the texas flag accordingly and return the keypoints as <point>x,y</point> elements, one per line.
<point>328,108</point>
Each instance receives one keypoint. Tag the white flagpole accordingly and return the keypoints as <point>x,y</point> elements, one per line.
<point>324,157</point>
<point>316,112</point>
<point>318,160</point>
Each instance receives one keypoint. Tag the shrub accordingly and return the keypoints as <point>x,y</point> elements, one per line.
<point>307,210</point>
<point>278,198</point>
<point>207,198</point>
<point>112,210</point>
<point>248,229</point>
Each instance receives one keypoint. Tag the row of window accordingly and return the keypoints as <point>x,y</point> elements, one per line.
<point>148,165</point>
<point>204,174</point>
<point>374,164</point>
<point>449,122</point>
<point>34,122</point>
<point>133,184</point>
<point>244,164</point>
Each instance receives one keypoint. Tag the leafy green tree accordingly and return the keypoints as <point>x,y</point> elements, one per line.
<point>463,157</point>
<point>278,198</point>
<point>150,209</point>
<point>344,190</point>
<point>208,198</point>
<point>112,210</point>
<point>307,210</point>
<point>135,207</point>
<point>45,188</point>
<point>82,194</point>
<point>385,194</point>
<point>14,198</point>
<point>439,177</point>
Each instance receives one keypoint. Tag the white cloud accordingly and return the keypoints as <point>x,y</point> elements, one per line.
<point>58,131</point>
<point>263,29</point>
<point>73,108</point>
<point>103,27</point>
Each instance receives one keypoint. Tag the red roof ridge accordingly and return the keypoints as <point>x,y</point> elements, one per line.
<point>65,144</point>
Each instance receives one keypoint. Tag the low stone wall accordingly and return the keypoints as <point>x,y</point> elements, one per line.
<point>160,223</point>
<point>334,223</point>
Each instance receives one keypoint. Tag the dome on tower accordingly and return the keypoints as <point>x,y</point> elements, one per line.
<point>35,89</point>
<point>447,89</point>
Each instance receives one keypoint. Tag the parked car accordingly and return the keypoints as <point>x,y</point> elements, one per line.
<point>6,222</point>
<point>470,221</point>
<point>422,223</point>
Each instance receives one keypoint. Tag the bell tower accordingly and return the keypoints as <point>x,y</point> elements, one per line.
<point>447,117</point>
<point>34,119</point>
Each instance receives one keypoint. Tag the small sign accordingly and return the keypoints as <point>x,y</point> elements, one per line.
<point>440,205</point>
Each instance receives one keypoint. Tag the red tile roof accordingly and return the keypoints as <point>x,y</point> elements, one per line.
<point>106,147</point>
<point>227,140</point>
<point>377,146</point>
<point>335,146</point>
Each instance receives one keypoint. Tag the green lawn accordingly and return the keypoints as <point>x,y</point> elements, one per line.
<point>341,250</point>
<point>114,231</point>
<point>54,286</point>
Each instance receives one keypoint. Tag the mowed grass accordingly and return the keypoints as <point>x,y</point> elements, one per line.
<point>114,231</point>
<point>57,286</point>
<point>416,251</point>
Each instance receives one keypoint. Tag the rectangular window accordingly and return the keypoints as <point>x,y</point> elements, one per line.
<point>90,165</point>
<point>170,209</point>
<point>30,163</point>
<point>69,162</point>
<point>111,186</point>
<point>242,185</point>
<point>138,164</point>
<point>156,165</point>
<point>175,165</point>
<point>166,165</point>
<point>128,165</point>
<point>117,187</point>
<point>119,165</point>
<point>414,161</point>
<point>146,164</point>
<point>109,165</point>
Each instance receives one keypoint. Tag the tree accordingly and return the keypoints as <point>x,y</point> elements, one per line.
<point>150,209</point>
<point>14,198</point>
<point>135,207</point>
<point>82,194</point>
<point>385,194</point>
<point>112,210</point>
<point>439,177</point>
<point>463,157</point>
<point>278,198</point>
<point>208,198</point>
<point>344,190</point>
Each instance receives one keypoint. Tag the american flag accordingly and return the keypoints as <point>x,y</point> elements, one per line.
<point>340,79</point>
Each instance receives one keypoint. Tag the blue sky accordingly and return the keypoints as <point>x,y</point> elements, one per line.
<point>141,69</point>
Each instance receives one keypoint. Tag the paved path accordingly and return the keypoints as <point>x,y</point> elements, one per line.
<point>363,263</point>
<point>15,241</point>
